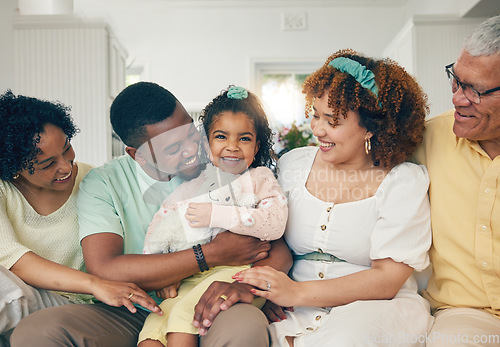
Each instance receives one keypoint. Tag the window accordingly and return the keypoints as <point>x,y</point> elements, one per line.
<point>279,86</point>
<point>282,95</point>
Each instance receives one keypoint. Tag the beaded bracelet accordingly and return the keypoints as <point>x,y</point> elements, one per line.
<point>200,258</point>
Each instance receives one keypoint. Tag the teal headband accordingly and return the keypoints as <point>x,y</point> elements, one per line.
<point>237,93</point>
<point>364,76</point>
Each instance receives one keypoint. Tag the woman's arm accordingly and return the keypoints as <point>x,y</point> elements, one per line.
<point>42,273</point>
<point>382,281</point>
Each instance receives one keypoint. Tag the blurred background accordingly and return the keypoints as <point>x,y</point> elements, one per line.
<point>84,52</point>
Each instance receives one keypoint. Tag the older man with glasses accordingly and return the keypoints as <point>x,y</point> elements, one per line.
<point>461,150</point>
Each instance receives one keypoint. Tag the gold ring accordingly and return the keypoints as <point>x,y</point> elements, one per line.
<point>130,296</point>
<point>223,297</point>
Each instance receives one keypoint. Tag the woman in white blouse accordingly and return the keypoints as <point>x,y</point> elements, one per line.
<point>359,220</point>
<point>39,249</point>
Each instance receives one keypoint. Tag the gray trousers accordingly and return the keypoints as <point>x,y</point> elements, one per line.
<point>101,325</point>
<point>17,300</point>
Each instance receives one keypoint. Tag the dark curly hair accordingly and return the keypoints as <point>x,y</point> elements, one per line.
<point>252,107</point>
<point>396,118</point>
<point>23,119</point>
<point>138,105</point>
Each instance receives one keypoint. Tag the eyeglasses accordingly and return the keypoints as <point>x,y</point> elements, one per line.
<point>470,93</point>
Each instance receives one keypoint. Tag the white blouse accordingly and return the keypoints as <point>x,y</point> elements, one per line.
<point>394,223</point>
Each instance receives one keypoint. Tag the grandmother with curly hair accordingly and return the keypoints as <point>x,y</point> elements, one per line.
<point>41,262</point>
<point>359,219</point>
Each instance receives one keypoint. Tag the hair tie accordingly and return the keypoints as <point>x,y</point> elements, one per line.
<point>364,76</point>
<point>237,93</point>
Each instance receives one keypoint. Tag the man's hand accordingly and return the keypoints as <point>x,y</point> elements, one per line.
<point>234,250</point>
<point>214,300</point>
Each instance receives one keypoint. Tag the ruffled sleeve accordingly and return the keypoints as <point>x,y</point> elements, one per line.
<point>403,231</point>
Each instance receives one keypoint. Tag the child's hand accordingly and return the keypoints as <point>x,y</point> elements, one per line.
<point>199,215</point>
<point>168,292</point>
<point>275,313</point>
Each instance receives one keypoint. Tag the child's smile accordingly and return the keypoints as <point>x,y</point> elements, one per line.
<point>233,142</point>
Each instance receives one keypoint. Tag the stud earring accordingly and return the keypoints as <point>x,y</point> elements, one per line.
<point>15,177</point>
<point>368,146</point>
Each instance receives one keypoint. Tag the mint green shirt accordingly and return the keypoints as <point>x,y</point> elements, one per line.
<point>120,198</point>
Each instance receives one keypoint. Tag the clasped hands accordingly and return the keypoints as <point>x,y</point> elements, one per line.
<point>248,283</point>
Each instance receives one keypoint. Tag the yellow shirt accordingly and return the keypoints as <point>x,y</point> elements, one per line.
<point>465,216</point>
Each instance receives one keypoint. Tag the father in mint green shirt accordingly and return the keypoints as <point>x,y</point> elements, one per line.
<point>117,202</point>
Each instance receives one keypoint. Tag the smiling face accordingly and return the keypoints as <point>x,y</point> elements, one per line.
<point>481,121</point>
<point>53,166</point>
<point>233,142</point>
<point>341,142</point>
<point>171,148</point>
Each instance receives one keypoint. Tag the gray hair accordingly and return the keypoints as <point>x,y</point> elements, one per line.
<point>484,39</point>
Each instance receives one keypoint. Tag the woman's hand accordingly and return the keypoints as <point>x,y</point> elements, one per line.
<point>274,285</point>
<point>170,291</point>
<point>219,296</point>
<point>199,215</point>
<point>119,294</point>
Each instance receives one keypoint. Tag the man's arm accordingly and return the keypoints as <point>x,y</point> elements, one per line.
<point>103,204</point>
<point>279,257</point>
<point>103,254</point>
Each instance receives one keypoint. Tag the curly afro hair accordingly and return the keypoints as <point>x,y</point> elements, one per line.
<point>252,107</point>
<point>396,118</point>
<point>23,119</point>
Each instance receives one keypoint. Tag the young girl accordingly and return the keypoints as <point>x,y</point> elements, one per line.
<point>236,192</point>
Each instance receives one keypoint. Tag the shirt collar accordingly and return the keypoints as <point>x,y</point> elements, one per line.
<point>473,144</point>
<point>154,191</point>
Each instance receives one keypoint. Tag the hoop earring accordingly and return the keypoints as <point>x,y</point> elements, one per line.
<point>15,177</point>
<point>368,146</point>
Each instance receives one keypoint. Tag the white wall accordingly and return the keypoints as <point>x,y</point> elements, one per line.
<point>197,51</point>
<point>424,46</point>
<point>7,10</point>
<point>438,43</point>
<point>77,63</point>
<point>197,48</point>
